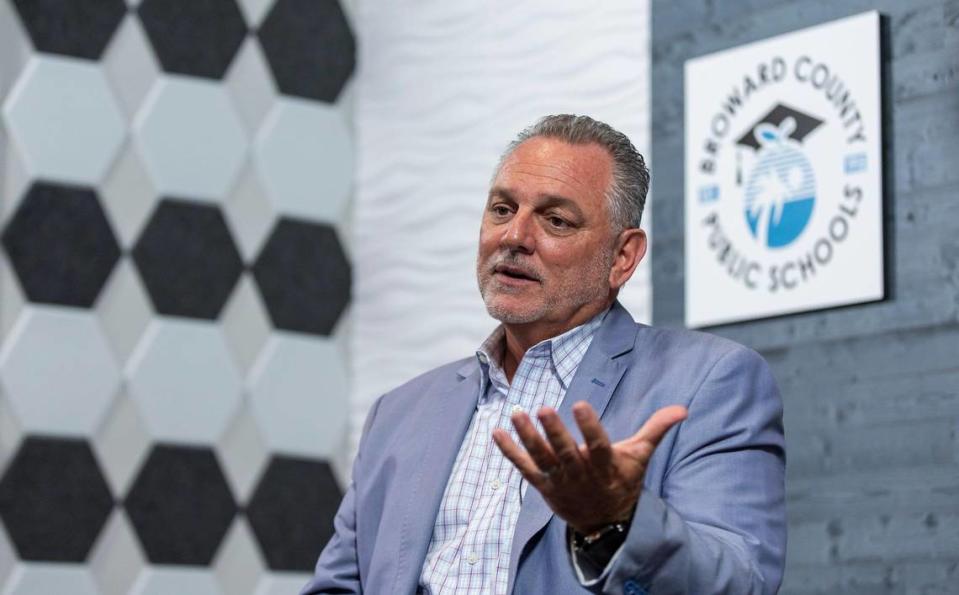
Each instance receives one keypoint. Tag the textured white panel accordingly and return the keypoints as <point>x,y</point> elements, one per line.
<point>442,88</point>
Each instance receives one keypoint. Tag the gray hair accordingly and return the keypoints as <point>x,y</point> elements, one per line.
<point>626,194</point>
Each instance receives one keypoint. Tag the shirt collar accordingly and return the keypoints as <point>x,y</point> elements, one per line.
<point>566,351</point>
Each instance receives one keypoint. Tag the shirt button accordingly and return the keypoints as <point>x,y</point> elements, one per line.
<point>495,484</point>
<point>472,558</point>
<point>516,409</point>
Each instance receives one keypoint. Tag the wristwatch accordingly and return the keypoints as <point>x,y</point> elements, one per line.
<point>599,546</point>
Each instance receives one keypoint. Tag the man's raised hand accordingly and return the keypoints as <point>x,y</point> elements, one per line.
<point>588,485</point>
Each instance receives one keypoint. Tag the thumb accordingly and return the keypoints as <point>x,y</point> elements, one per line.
<point>658,424</point>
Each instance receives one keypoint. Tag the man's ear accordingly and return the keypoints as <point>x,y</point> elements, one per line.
<point>630,250</point>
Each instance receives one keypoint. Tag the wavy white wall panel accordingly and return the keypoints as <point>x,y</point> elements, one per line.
<point>442,87</point>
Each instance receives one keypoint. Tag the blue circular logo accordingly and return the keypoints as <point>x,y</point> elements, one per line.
<point>781,190</point>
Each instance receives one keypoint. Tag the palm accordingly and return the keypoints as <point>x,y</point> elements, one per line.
<point>592,484</point>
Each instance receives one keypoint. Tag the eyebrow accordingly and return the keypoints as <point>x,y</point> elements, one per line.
<point>548,200</point>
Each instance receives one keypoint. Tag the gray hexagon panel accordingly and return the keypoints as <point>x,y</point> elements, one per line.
<point>173,392</point>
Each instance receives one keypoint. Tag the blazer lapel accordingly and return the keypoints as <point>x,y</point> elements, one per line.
<point>595,381</point>
<point>443,429</point>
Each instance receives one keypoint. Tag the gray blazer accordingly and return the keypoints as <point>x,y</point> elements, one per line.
<point>711,516</point>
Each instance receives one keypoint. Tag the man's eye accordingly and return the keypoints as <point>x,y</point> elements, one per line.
<point>500,210</point>
<point>558,222</point>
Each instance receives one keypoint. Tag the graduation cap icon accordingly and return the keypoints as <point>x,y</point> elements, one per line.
<point>780,122</point>
<point>804,124</point>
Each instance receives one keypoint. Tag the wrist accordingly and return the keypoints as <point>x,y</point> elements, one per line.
<point>624,518</point>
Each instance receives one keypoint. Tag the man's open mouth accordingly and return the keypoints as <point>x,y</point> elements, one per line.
<point>514,273</point>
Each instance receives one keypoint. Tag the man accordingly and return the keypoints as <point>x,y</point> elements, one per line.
<point>473,478</point>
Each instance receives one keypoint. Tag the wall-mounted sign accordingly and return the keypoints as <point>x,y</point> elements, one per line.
<point>784,174</point>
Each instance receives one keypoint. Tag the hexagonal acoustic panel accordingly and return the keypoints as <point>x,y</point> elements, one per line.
<point>298,394</point>
<point>180,505</point>
<point>197,38</point>
<point>310,48</point>
<point>53,500</point>
<point>187,259</point>
<point>292,512</point>
<point>184,380</point>
<point>192,141</point>
<point>58,371</point>
<point>305,159</point>
<point>61,245</point>
<point>304,276</point>
<point>68,136</point>
<point>79,28</point>
<point>31,579</point>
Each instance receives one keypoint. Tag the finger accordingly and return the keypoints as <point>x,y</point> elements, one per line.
<point>535,444</point>
<point>598,449</point>
<point>658,424</point>
<point>560,440</point>
<point>518,457</point>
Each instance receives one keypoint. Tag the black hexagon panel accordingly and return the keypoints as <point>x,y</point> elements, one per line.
<point>173,284</point>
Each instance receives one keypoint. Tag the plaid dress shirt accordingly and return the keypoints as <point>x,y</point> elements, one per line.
<point>470,547</point>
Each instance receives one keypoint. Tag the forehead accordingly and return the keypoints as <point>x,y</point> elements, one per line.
<point>545,166</point>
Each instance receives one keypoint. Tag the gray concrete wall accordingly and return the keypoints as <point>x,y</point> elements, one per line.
<point>871,391</point>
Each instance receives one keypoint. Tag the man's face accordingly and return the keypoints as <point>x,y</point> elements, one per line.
<point>546,243</point>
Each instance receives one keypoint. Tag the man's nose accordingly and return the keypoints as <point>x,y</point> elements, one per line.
<point>519,234</point>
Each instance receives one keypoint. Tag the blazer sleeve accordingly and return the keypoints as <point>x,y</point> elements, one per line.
<point>718,523</point>
<point>337,569</point>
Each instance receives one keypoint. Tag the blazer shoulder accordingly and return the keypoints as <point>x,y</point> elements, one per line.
<point>684,340</point>
<point>687,357</point>
<point>433,381</point>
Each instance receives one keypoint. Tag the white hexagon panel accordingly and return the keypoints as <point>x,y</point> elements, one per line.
<point>181,580</point>
<point>191,138</point>
<point>184,380</point>
<point>298,394</point>
<point>305,158</point>
<point>58,371</point>
<point>64,119</point>
<point>34,578</point>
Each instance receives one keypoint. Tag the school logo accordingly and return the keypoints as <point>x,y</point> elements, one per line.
<point>783,175</point>
<point>781,188</point>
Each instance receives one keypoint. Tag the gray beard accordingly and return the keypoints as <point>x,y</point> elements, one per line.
<point>594,287</point>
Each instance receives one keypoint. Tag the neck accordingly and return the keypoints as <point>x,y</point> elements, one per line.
<point>520,337</point>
